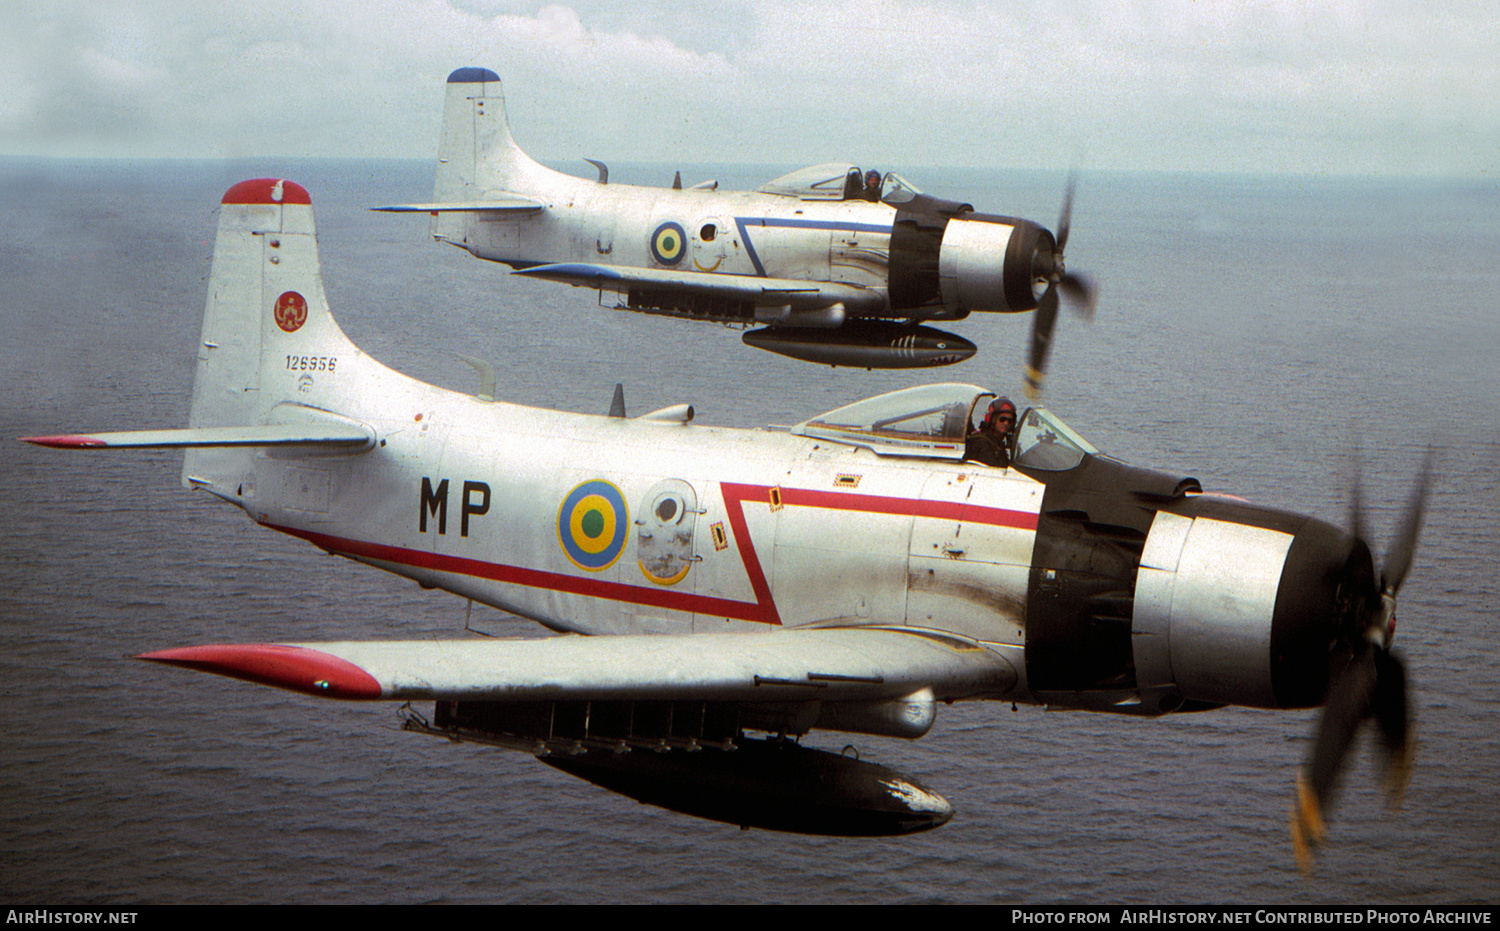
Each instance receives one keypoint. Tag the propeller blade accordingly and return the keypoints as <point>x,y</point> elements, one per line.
<point>1078,289</point>
<point>1350,697</point>
<point>1373,681</point>
<point>1065,220</point>
<point>1393,718</point>
<point>1356,505</point>
<point>1398,563</point>
<point>1042,321</point>
<point>1081,294</point>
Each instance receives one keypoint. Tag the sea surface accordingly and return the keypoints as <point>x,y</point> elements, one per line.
<point>1270,336</point>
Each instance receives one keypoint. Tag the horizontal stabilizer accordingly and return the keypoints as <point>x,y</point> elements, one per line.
<point>352,437</point>
<point>843,664</point>
<point>504,203</point>
<point>804,295</point>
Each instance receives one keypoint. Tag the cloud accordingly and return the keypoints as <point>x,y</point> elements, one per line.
<point>1377,85</point>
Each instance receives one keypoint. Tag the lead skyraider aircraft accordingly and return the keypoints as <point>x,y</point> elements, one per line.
<point>842,272</point>
<point>850,573</point>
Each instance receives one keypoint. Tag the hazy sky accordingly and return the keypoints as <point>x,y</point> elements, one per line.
<point>1325,86</point>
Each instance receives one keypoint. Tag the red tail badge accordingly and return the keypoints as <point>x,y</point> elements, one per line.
<point>291,311</point>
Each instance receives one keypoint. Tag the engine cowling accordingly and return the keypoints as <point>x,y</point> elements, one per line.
<point>949,261</point>
<point>994,264</point>
<point>1147,597</point>
<point>1241,605</point>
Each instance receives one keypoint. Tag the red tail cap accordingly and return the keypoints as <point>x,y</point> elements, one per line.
<point>267,191</point>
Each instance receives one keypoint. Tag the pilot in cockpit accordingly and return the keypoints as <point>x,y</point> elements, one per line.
<point>862,186</point>
<point>854,184</point>
<point>990,444</point>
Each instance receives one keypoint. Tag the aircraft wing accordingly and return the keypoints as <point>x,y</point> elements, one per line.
<point>769,292</point>
<point>839,664</point>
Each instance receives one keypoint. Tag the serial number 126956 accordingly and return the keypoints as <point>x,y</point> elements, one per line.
<point>311,363</point>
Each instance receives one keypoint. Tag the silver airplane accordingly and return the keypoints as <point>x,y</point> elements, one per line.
<point>842,267</point>
<point>719,593</point>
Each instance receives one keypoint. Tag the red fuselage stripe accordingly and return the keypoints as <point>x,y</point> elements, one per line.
<point>762,610</point>
<point>533,578</point>
<point>879,504</point>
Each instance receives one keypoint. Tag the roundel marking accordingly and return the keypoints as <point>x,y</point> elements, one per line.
<point>291,311</point>
<point>591,525</point>
<point>668,243</point>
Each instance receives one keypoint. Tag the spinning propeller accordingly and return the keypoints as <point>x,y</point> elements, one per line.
<point>1079,290</point>
<point>1366,680</point>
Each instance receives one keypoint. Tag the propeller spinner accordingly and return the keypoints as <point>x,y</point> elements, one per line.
<point>1078,289</point>
<point>1366,679</point>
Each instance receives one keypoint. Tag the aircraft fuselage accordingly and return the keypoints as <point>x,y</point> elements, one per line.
<point>709,232</point>
<point>609,525</point>
<point>1104,586</point>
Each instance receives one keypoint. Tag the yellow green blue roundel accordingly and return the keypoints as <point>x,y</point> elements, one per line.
<point>591,525</point>
<point>668,243</point>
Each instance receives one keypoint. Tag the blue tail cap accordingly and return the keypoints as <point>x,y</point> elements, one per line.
<point>472,76</point>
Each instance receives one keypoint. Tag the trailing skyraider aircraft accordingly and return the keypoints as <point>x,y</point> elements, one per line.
<point>841,266</point>
<point>851,573</point>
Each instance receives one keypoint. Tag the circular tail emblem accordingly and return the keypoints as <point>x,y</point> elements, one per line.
<point>668,243</point>
<point>591,525</point>
<point>291,311</point>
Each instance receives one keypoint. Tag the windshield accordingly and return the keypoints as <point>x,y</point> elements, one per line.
<point>897,190</point>
<point>1046,443</point>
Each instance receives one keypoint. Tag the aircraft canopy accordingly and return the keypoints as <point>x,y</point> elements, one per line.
<point>929,420</point>
<point>837,181</point>
<point>932,421</point>
<point>819,182</point>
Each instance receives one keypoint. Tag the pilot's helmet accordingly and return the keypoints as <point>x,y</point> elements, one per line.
<point>1000,409</point>
<point>872,178</point>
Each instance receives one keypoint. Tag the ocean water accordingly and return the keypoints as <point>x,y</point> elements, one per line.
<point>1264,335</point>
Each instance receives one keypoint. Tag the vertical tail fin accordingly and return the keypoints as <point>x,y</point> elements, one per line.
<point>474,103</point>
<point>476,153</point>
<point>268,336</point>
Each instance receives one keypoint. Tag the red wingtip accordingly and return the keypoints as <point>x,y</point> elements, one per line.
<point>65,441</point>
<point>297,668</point>
<point>267,191</point>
